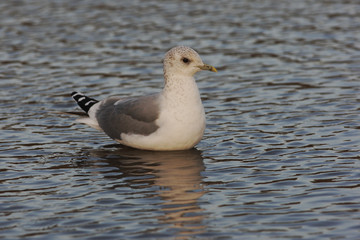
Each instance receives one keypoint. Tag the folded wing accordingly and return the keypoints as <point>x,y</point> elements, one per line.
<point>128,115</point>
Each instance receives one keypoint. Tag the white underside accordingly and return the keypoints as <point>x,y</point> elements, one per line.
<point>178,130</point>
<point>181,123</point>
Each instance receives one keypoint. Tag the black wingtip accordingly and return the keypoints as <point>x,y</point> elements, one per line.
<point>83,101</point>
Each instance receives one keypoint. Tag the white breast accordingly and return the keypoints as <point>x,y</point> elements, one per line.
<point>181,122</point>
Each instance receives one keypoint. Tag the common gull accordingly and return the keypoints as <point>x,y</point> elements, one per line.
<point>173,119</point>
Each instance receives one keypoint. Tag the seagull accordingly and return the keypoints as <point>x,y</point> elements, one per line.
<point>173,119</point>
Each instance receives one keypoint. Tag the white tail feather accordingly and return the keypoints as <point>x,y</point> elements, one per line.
<point>90,122</point>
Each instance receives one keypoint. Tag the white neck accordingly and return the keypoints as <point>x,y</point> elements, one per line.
<point>182,91</point>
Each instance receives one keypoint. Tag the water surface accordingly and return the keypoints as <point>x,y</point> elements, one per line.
<point>280,155</point>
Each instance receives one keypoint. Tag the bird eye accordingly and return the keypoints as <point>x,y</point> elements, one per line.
<point>185,60</point>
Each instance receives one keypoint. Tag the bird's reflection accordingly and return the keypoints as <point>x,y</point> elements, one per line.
<point>176,175</point>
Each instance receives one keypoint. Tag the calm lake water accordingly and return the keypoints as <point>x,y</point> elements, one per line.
<point>280,155</point>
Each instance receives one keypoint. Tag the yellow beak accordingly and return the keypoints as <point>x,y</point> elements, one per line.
<point>207,67</point>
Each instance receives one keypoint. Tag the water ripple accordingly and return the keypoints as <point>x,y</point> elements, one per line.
<point>280,155</point>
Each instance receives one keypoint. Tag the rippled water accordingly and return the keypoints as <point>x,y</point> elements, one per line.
<point>280,155</point>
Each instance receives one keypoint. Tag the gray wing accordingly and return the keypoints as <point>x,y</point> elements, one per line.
<point>129,115</point>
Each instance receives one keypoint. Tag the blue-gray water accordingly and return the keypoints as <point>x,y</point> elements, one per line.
<point>280,155</point>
